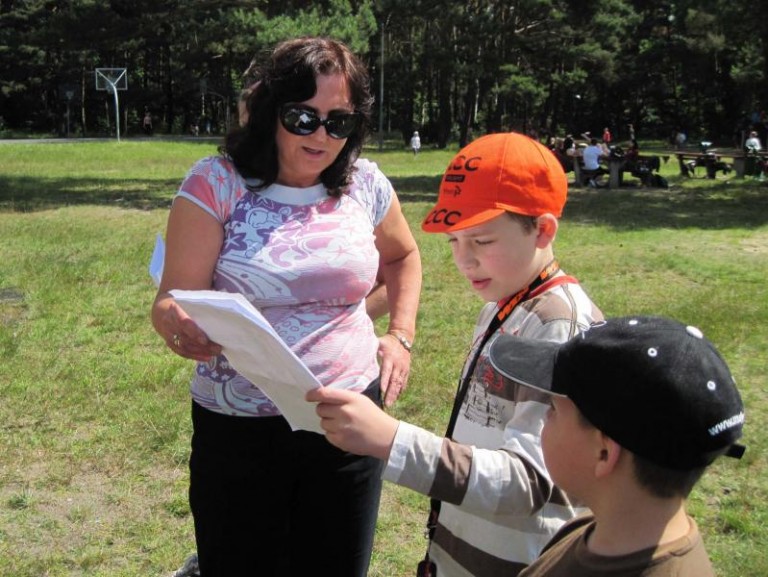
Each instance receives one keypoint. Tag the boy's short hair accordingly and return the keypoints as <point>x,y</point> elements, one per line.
<point>497,173</point>
<point>655,386</point>
<point>663,482</point>
<point>527,223</point>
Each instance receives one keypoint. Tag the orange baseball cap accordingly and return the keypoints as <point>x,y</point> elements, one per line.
<point>497,173</point>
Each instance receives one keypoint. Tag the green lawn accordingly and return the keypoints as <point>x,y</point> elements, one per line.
<point>94,418</point>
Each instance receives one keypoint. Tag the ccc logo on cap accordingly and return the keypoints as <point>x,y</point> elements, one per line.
<point>464,164</point>
<point>468,164</point>
<point>449,217</point>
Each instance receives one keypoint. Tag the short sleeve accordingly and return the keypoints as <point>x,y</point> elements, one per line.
<point>372,190</point>
<point>214,185</point>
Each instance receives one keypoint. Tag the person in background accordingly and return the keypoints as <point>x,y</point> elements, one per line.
<point>635,166</point>
<point>591,156</point>
<point>494,505</point>
<point>146,123</point>
<point>415,142</point>
<point>760,165</point>
<point>680,139</point>
<point>289,216</point>
<point>752,144</point>
<point>568,143</point>
<point>599,446</point>
<point>633,151</point>
<point>607,137</point>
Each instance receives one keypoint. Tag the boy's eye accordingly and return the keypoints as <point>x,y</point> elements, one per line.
<point>483,242</point>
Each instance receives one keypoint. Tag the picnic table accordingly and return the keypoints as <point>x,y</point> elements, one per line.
<point>713,160</point>
<point>617,166</point>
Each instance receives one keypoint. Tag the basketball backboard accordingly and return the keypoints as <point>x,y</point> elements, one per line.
<point>107,78</point>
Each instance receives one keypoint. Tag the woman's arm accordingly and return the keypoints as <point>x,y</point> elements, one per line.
<point>193,243</point>
<point>400,268</point>
<point>376,304</point>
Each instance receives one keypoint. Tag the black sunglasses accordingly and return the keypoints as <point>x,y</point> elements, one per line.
<point>303,121</point>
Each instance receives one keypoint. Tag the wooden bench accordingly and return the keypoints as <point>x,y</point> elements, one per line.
<point>713,161</point>
<point>740,163</point>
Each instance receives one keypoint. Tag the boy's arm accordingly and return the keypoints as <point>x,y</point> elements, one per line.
<point>487,481</point>
<point>510,480</point>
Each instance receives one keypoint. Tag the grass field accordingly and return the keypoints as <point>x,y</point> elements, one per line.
<point>94,410</point>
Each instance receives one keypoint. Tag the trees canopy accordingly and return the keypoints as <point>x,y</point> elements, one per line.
<point>452,71</point>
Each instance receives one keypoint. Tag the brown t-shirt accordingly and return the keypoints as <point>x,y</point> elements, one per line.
<point>566,555</point>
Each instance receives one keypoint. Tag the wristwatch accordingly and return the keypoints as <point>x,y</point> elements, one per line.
<point>407,345</point>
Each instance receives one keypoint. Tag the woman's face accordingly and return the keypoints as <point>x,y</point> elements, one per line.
<point>301,159</point>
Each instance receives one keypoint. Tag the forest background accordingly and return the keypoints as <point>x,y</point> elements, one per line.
<point>451,70</point>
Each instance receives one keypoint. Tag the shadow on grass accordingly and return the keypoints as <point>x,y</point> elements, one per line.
<point>27,194</point>
<point>707,205</point>
<point>417,188</point>
<point>712,205</point>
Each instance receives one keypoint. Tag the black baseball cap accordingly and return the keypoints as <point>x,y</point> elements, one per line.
<point>655,386</point>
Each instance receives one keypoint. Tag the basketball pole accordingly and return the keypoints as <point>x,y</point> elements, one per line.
<point>118,74</point>
<point>113,88</point>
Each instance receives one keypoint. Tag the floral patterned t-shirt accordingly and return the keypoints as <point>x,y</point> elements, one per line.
<point>307,262</point>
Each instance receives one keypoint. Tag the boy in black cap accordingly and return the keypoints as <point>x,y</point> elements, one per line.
<point>640,407</point>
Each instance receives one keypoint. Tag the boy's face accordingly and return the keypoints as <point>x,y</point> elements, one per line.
<point>498,257</point>
<point>568,445</point>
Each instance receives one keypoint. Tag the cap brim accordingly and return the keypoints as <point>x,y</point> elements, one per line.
<point>445,218</point>
<point>525,361</point>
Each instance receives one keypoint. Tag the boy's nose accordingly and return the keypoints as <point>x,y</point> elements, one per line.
<point>464,259</point>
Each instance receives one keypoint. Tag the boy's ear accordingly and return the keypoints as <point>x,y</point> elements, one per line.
<point>608,457</point>
<point>546,230</point>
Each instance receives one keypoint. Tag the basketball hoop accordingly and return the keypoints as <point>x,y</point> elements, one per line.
<point>113,80</point>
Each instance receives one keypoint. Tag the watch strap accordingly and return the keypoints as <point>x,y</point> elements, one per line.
<point>407,345</point>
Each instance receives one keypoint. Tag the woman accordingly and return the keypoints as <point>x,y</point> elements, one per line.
<point>289,216</point>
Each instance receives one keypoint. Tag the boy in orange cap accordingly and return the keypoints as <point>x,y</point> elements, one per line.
<point>640,407</point>
<point>494,505</point>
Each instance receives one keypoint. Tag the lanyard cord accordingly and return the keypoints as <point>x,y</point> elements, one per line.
<point>505,308</point>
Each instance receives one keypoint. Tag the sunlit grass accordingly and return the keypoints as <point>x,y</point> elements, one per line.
<point>94,423</point>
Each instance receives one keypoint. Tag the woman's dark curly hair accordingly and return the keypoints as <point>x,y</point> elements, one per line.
<point>287,75</point>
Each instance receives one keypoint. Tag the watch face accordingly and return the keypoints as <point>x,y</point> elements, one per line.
<point>403,341</point>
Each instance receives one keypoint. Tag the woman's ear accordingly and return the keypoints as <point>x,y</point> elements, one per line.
<point>546,230</point>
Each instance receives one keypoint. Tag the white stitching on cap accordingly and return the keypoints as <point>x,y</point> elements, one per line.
<point>652,352</point>
<point>711,385</point>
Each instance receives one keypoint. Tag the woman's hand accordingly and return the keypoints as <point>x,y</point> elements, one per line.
<point>395,368</point>
<point>182,335</point>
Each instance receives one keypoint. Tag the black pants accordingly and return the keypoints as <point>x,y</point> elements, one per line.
<point>271,502</point>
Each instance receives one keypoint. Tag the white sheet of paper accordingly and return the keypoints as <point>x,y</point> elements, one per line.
<point>256,351</point>
<point>157,261</point>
